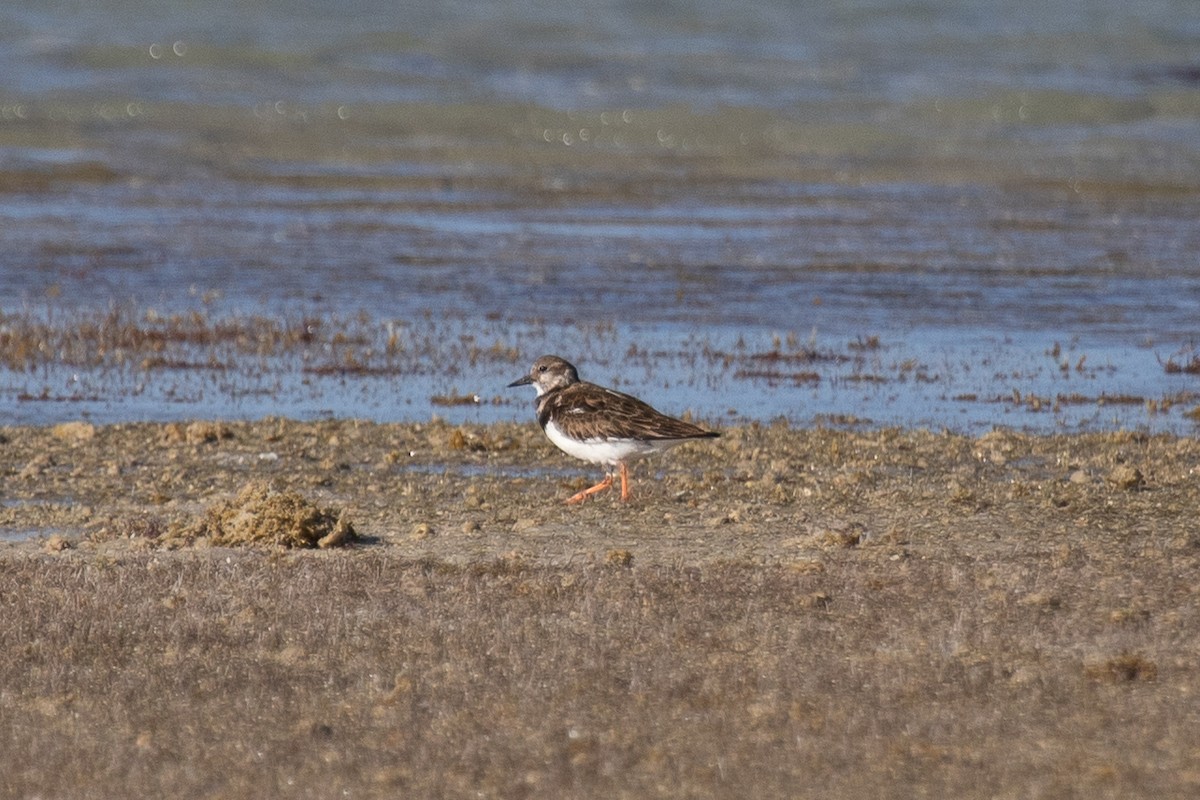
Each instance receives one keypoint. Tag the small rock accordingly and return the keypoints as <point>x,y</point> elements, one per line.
<point>76,432</point>
<point>56,544</point>
<point>422,530</point>
<point>1123,668</point>
<point>816,600</point>
<point>1126,477</point>
<point>342,533</point>
<point>728,518</point>
<point>204,432</point>
<point>1080,476</point>
<point>1041,600</point>
<point>618,558</point>
<point>845,539</point>
<point>172,433</point>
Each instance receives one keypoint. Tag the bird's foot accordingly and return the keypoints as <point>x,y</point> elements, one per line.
<point>586,493</point>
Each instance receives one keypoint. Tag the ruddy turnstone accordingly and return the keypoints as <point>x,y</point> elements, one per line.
<point>600,425</point>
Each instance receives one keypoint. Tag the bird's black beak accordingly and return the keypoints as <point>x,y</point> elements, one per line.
<point>525,381</point>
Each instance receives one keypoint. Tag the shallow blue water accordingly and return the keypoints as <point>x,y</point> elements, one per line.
<point>968,182</point>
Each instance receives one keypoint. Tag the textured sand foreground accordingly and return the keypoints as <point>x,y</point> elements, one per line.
<point>778,612</point>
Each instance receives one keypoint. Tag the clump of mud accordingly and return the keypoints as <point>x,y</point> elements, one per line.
<point>261,516</point>
<point>199,432</point>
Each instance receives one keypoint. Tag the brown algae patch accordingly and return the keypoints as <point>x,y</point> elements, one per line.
<point>262,516</point>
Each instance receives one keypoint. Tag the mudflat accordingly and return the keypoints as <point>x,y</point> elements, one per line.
<point>780,612</point>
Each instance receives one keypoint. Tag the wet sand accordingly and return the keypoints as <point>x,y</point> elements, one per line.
<point>782,610</point>
<point>761,492</point>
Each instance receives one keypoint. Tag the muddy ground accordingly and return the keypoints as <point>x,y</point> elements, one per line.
<point>780,612</point>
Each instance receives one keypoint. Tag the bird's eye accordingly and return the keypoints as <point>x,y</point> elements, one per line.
<point>542,368</point>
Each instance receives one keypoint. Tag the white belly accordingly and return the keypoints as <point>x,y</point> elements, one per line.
<point>605,451</point>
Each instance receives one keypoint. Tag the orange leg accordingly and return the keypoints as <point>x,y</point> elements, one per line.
<point>599,487</point>
<point>624,481</point>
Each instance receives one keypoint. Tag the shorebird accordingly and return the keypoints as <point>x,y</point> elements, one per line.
<point>598,424</point>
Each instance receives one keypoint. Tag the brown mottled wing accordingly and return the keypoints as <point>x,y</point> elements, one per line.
<point>587,411</point>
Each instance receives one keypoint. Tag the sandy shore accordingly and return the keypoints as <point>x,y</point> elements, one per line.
<point>780,610</point>
<point>766,494</point>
